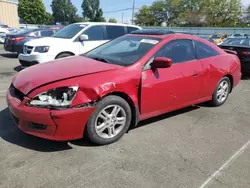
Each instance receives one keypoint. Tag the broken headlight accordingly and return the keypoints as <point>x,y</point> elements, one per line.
<point>55,98</point>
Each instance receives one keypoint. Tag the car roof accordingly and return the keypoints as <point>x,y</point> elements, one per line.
<point>162,33</point>
<point>106,23</point>
<point>238,38</point>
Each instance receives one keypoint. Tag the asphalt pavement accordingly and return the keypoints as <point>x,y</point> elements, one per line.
<point>196,147</point>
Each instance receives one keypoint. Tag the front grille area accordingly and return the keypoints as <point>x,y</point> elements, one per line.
<point>37,126</point>
<point>16,93</point>
<point>27,49</point>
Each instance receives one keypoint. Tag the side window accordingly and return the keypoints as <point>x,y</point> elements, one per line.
<point>181,50</point>
<point>205,51</point>
<point>46,33</point>
<point>131,29</point>
<point>115,31</point>
<point>95,33</point>
<point>34,34</point>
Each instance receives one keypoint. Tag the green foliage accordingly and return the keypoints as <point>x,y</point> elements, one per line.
<point>145,17</point>
<point>32,11</point>
<point>63,11</point>
<point>158,13</point>
<point>49,19</point>
<point>79,19</point>
<point>193,13</point>
<point>222,13</point>
<point>92,11</point>
<point>112,20</point>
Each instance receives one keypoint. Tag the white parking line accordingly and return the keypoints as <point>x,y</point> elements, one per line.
<point>3,91</point>
<point>225,165</point>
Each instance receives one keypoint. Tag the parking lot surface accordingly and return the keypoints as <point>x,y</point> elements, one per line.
<point>195,147</point>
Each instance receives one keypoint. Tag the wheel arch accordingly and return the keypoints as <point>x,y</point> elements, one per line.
<point>231,80</point>
<point>134,109</point>
<point>65,52</point>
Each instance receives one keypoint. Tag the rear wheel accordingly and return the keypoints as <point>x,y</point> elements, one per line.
<point>63,55</point>
<point>221,92</point>
<point>110,121</point>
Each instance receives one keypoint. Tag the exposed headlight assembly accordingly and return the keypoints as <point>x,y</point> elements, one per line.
<point>42,49</point>
<point>55,98</point>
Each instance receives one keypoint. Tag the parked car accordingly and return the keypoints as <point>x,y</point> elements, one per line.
<point>14,42</point>
<point>218,38</point>
<point>105,91</point>
<point>4,29</point>
<point>208,39</point>
<point>72,40</point>
<point>238,35</point>
<point>242,48</point>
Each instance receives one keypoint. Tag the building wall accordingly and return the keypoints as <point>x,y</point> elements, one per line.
<point>8,13</point>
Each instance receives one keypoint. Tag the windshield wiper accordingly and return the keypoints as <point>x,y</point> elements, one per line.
<point>100,59</point>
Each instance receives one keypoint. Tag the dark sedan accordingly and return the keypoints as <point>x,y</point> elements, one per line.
<point>242,47</point>
<point>14,42</point>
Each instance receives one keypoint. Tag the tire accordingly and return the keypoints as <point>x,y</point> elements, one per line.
<point>102,130</point>
<point>63,55</point>
<point>220,94</point>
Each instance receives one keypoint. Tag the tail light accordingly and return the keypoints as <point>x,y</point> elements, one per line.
<point>18,39</point>
<point>246,53</point>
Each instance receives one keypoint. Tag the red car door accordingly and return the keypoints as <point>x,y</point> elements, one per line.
<point>167,89</point>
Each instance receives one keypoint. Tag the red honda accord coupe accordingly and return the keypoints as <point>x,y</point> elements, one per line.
<point>102,93</point>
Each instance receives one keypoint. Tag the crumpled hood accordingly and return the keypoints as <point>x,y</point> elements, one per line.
<point>47,41</point>
<point>42,74</point>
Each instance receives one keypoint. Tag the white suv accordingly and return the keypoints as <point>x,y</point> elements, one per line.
<point>72,40</point>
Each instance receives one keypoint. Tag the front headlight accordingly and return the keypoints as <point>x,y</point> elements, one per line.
<point>55,98</point>
<point>42,49</point>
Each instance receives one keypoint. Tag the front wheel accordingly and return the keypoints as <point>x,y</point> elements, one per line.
<point>110,121</point>
<point>221,92</point>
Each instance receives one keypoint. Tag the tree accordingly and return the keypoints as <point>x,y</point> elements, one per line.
<point>112,20</point>
<point>222,13</point>
<point>166,11</point>
<point>191,13</point>
<point>63,11</point>
<point>161,11</point>
<point>145,17</point>
<point>245,19</point>
<point>78,19</point>
<point>49,19</point>
<point>92,11</point>
<point>32,11</point>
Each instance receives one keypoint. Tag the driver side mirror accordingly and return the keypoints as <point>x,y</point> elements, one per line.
<point>161,62</point>
<point>83,38</point>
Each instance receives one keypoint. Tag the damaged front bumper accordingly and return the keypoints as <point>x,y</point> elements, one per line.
<point>59,125</point>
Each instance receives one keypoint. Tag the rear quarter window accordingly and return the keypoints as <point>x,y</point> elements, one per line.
<point>204,51</point>
<point>46,33</point>
<point>131,29</point>
<point>115,31</point>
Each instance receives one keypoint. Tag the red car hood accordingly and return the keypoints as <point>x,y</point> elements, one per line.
<point>42,74</point>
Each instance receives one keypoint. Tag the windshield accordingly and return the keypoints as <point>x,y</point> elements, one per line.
<point>69,31</point>
<point>123,51</point>
<point>215,36</point>
<point>237,35</point>
<point>3,26</point>
<point>237,41</point>
<point>24,31</point>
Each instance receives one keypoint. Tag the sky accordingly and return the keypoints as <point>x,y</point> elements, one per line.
<point>111,5</point>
